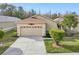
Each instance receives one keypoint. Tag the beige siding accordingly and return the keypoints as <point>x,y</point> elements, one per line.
<point>49,23</point>
<point>31,31</point>
<point>38,20</point>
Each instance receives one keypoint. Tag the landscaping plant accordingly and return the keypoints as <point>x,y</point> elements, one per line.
<point>1,36</point>
<point>57,35</point>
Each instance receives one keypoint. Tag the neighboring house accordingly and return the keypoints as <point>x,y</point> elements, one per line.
<point>77,28</point>
<point>74,30</point>
<point>7,22</point>
<point>58,20</point>
<point>35,26</point>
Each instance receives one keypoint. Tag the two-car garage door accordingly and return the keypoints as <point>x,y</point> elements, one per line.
<point>32,30</point>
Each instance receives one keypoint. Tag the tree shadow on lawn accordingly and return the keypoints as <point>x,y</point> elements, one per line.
<point>64,49</point>
<point>72,48</point>
<point>67,47</point>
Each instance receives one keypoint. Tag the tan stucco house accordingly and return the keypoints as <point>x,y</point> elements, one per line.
<point>35,26</point>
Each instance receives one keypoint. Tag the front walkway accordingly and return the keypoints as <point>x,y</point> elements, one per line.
<point>27,45</point>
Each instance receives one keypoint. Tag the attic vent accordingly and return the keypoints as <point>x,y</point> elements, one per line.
<point>34,17</point>
<point>31,24</point>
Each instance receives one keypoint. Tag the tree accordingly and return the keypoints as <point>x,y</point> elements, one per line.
<point>59,14</point>
<point>7,9</point>
<point>50,14</point>
<point>11,10</point>
<point>20,13</point>
<point>57,36</point>
<point>39,12</point>
<point>3,7</point>
<point>70,22</point>
<point>74,13</point>
<point>54,16</point>
<point>1,36</point>
<point>33,12</point>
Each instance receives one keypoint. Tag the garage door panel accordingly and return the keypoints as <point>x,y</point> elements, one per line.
<point>31,31</point>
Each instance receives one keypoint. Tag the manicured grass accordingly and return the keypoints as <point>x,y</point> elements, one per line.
<point>69,46</point>
<point>9,38</point>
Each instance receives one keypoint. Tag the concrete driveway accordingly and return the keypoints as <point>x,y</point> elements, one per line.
<point>26,45</point>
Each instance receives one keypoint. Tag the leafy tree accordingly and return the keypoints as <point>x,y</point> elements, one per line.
<point>3,7</point>
<point>39,12</point>
<point>70,21</point>
<point>20,13</point>
<point>57,36</point>
<point>7,9</point>
<point>59,14</point>
<point>10,10</point>
<point>50,14</point>
<point>54,16</point>
<point>74,13</point>
<point>33,12</point>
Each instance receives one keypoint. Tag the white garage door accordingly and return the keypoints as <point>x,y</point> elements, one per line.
<point>32,30</point>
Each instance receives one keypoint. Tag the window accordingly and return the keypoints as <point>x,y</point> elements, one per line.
<point>31,26</point>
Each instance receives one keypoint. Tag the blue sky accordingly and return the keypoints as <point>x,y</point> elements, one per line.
<point>54,7</point>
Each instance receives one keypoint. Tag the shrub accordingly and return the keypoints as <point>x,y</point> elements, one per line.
<point>57,35</point>
<point>47,34</point>
<point>1,34</point>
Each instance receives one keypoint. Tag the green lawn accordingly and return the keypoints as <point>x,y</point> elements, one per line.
<point>9,38</point>
<point>69,46</point>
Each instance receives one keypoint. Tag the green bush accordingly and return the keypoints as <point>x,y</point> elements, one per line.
<point>47,34</point>
<point>1,34</point>
<point>56,34</point>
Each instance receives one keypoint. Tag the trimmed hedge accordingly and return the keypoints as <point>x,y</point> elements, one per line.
<point>56,34</point>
